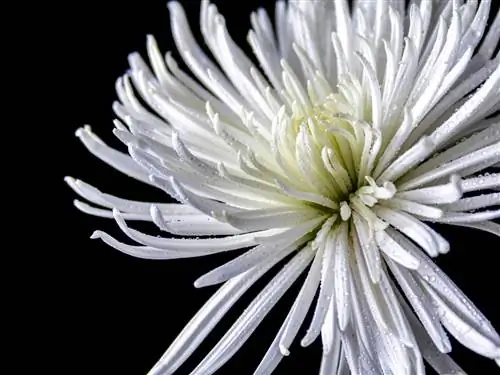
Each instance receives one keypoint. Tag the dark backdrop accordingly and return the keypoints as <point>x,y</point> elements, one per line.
<point>114,314</point>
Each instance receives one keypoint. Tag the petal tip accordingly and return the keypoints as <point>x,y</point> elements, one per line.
<point>284,350</point>
<point>96,235</point>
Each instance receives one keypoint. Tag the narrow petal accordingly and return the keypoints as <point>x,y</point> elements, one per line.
<point>207,317</point>
<point>253,315</point>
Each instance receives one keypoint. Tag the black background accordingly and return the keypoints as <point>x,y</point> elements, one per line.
<point>109,313</point>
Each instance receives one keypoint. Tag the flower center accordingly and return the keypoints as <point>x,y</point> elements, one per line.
<point>367,195</point>
<point>327,143</point>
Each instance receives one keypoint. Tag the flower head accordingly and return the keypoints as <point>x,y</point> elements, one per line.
<point>330,148</point>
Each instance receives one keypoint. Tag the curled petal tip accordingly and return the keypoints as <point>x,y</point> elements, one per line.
<point>199,283</point>
<point>79,132</point>
<point>284,351</point>
<point>172,6</point>
<point>96,235</point>
<point>305,342</point>
<point>133,55</point>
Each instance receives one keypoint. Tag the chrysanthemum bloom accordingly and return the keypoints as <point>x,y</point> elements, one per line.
<point>327,152</point>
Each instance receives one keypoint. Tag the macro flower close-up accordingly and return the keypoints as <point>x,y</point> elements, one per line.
<point>330,156</point>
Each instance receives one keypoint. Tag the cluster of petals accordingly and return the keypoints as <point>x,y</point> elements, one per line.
<point>328,152</point>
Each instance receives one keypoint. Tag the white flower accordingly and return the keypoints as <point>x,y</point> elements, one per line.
<point>351,131</point>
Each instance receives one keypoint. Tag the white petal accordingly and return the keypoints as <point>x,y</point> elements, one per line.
<point>145,252</point>
<point>447,193</point>
<point>476,217</point>
<point>192,225</point>
<point>252,258</point>
<point>302,304</point>
<point>326,291</point>
<point>331,348</point>
<point>411,227</point>
<point>371,291</point>
<point>279,217</point>
<point>341,271</point>
<point>491,39</point>
<point>116,159</point>
<point>208,245</point>
<point>453,296</point>
<point>206,318</point>
<point>476,103</point>
<point>465,333</point>
<point>253,315</point>
<point>351,349</point>
<point>100,212</point>
<point>414,208</point>
<point>369,248</point>
<point>422,306</point>
<point>487,181</point>
<point>395,249</point>
<point>474,203</point>
<point>476,141</point>
<point>443,364</point>
<point>489,154</point>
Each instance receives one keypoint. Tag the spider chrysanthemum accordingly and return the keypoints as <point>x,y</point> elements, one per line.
<point>327,152</point>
